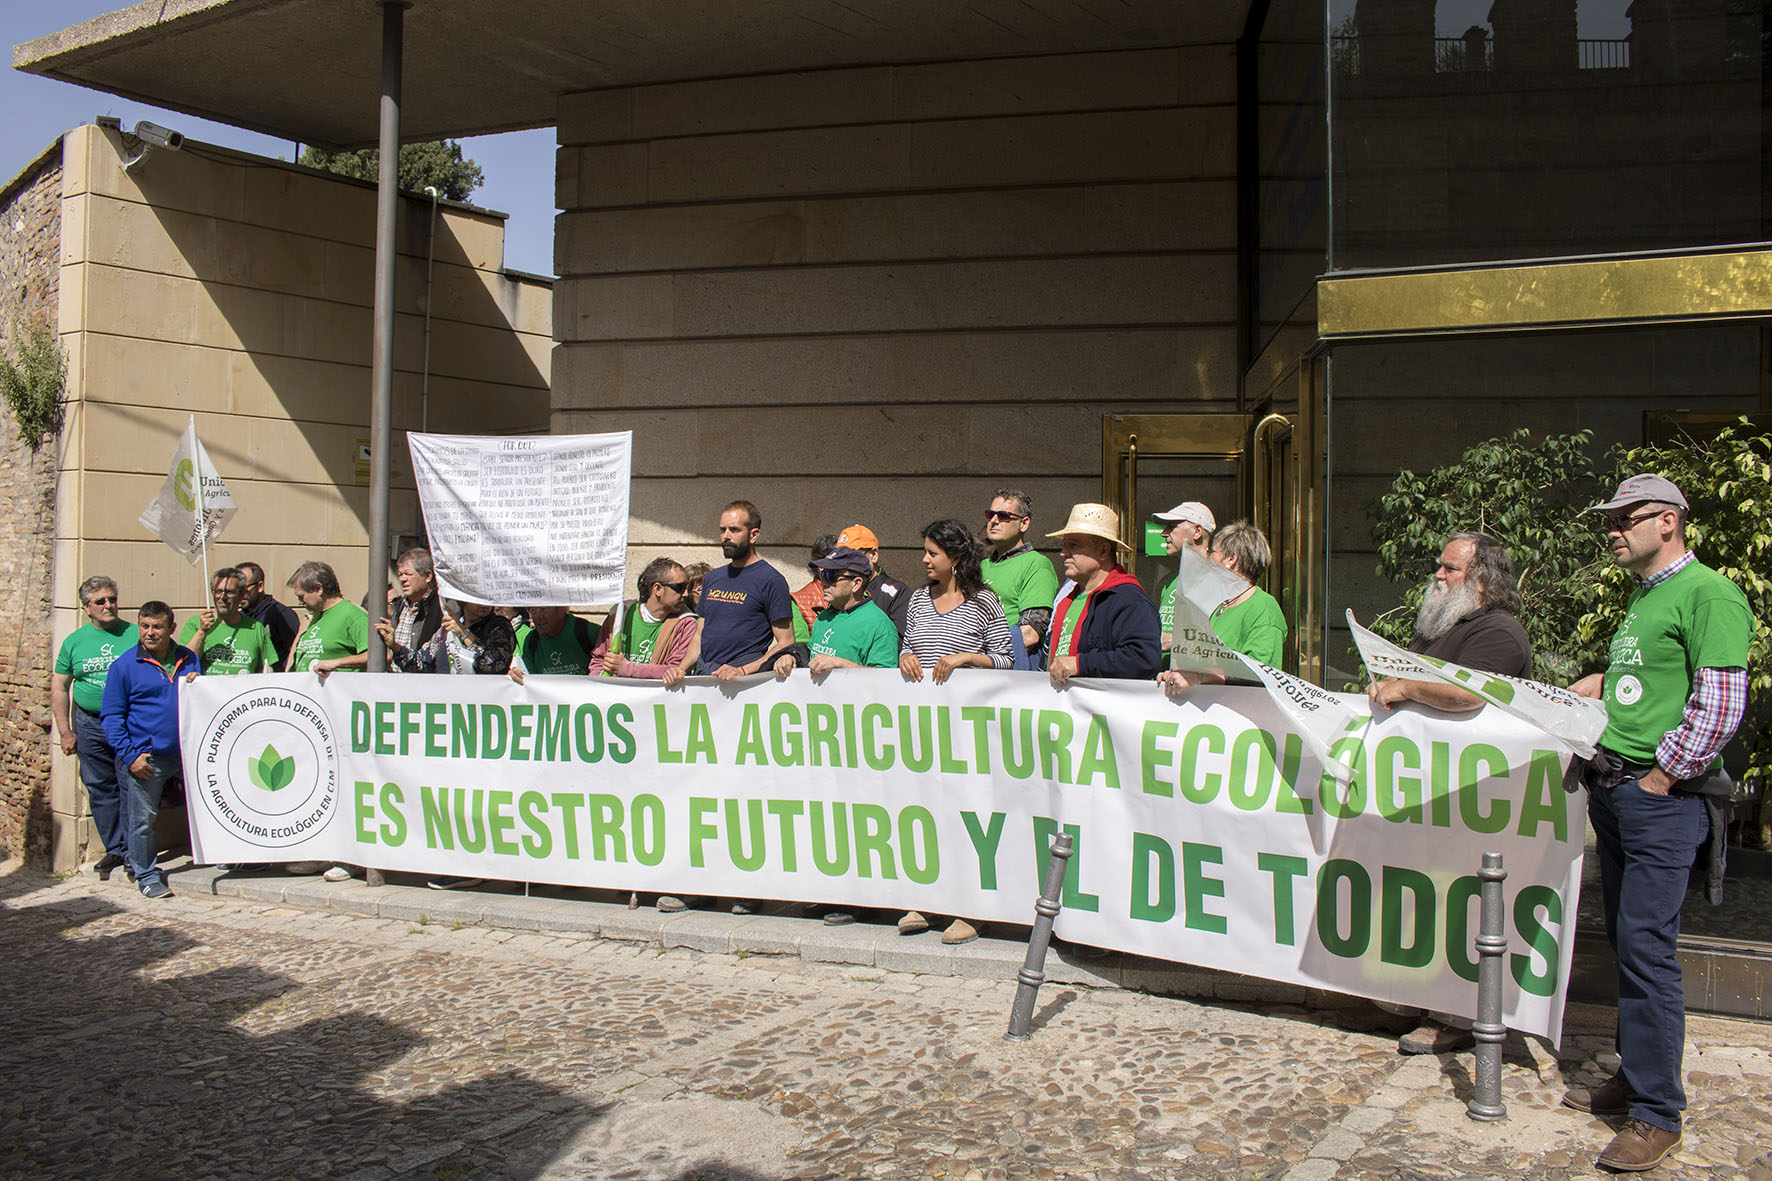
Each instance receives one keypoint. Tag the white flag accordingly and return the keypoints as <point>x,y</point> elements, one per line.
<point>1325,721</point>
<point>193,506</point>
<point>1575,721</point>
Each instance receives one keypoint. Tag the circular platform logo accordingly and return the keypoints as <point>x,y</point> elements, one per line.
<point>1628,691</point>
<point>268,769</point>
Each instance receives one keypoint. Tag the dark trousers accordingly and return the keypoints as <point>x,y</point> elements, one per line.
<point>1647,844</point>
<point>98,771</point>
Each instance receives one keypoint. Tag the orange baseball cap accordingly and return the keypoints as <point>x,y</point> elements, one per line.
<point>858,537</point>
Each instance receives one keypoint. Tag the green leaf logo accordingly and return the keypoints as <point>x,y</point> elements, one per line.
<point>271,771</point>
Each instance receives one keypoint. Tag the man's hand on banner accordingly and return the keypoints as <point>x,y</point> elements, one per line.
<point>1062,669</point>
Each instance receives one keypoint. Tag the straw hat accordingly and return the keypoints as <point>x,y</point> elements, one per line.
<point>1093,520</point>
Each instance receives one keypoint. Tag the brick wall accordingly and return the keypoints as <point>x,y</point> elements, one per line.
<point>30,232</point>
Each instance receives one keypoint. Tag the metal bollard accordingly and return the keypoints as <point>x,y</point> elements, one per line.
<point>1033,968</point>
<point>1485,1102</point>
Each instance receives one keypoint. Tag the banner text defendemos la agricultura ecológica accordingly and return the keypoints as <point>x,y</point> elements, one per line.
<point>1206,832</point>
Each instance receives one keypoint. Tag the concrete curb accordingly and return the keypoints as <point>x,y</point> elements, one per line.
<point>808,940</point>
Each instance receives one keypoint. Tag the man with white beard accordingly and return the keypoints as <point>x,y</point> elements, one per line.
<point>1467,617</point>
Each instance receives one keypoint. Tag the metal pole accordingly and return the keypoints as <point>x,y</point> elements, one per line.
<point>1033,968</point>
<point>1485,1102</point>
<point>381,405</point>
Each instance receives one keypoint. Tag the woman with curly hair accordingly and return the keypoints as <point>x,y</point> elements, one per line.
<point>956,621</point>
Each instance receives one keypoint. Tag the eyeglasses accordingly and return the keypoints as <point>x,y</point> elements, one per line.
<point>108,601</point>
<point>1626,524</point>
<point>679,587</point>
<point>997,514</point>
<point>829,576</point>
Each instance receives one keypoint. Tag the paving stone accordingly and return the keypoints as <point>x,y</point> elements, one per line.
<point>697,930</point>
<point>854,944</point>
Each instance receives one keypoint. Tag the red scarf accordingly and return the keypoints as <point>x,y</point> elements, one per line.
<point>1060,609</point>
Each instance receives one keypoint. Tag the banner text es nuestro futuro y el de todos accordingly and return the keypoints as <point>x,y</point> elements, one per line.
<point>1206,833</point>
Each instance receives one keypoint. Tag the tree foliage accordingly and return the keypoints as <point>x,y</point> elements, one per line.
<point>31,382</point>
<point>437,164</point>
<point>1529,495</point>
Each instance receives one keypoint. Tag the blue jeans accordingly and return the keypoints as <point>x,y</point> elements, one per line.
<point>1647,844</point>
<point>98,771</point>
<point>141,808</point>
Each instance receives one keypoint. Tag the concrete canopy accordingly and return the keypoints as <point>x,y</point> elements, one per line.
<point>308,69</point>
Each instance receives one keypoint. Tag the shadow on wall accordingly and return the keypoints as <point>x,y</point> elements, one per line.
<point>293,291</point>
<point>140,1067</point>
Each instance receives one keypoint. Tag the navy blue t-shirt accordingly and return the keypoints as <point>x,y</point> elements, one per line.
<point>736,611</point>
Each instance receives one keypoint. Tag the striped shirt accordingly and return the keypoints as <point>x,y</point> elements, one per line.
<point>976,625</point>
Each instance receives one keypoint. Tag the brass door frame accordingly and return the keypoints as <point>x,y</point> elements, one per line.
<point>1125,436</point>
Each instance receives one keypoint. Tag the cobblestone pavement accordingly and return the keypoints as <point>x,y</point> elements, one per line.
<point>220,1036</point>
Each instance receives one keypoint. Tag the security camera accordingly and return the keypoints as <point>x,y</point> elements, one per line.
<point>160,137</point>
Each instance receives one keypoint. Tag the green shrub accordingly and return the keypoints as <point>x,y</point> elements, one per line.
<point>32,382</point>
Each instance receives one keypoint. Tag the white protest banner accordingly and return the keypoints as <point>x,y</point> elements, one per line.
<point>532,521</point>
<point>1200,825</point>
<point>1322,719</point>
<point>1569,718</point>
<point>193,506</point>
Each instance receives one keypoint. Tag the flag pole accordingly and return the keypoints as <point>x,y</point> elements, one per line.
<point>197,456</point>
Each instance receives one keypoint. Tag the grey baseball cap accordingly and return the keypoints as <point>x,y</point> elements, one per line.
<point>1639,489</point>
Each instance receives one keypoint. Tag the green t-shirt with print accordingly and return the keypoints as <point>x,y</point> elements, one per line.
<point>1166,605</point>
<point>1067,628</point>
<point>639,637</point>
<point>566,654</point>
<point>1022,583</point>
<point>1256,627</point>
<point>1695,619</point>
<point>86,657</point>
<point>340,630</point>
<point>863,635</point>
<point>227,650</point>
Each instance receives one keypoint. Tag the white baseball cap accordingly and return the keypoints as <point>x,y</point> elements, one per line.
<point>1190,510</point>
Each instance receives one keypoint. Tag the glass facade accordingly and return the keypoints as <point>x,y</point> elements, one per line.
<point>1471,130</point>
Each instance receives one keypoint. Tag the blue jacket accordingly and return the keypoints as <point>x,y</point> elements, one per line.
<point>1120,632</point>
<point>140,710</point>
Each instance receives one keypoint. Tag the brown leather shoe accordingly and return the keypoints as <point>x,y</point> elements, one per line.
<point>1433,1038</point>
<point>1639,1148</point>
<point>1611,1097</point>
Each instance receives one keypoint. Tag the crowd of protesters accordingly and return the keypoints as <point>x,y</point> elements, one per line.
<point>1675,691</point>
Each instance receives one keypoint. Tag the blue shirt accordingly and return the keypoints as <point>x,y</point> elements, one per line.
<point>737,608</point>
<point>140,710</point>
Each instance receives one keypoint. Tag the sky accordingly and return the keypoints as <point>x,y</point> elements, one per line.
<point>518,166</point>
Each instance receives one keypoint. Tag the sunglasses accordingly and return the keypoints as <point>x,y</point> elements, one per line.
<point>997,514</point>
<point>679,587</point>
<point>829,576</point>
<point>108,601</point>
<point>1626,524</point>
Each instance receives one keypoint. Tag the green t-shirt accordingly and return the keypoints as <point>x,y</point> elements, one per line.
<point>1695,619</point>
<point>1166,605</point>
<point>1256,627</point>
<point>86,656</point>
<point>802,633</point>
<point>567,654</point>
<point>1022,583</point>
<point>521,632</point>
<point>1067,628</point>
<point>639,636</point>
<point>246,648</point>
<point>863,634</point>
<point>340,630</point>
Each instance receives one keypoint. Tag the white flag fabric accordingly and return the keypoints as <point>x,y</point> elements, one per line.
<point>1329,728</point>
<point>193,506</point>
<point>1573,720</point>
<point>526,521</point>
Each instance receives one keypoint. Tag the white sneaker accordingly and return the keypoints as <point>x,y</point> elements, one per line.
<point>337,873</point>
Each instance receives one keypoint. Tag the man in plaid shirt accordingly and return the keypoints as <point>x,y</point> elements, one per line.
<point>1675,691</point>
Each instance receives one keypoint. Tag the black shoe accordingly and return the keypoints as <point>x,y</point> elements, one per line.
<point>105,865</point>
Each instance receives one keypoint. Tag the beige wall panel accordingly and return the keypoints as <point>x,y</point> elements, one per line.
<point>313,514</point>
<point>70,304</point>
<point>137,303</point>
<point>173,180</point>
<point>146,372</point>
<point>1184,364</point>
<point>1173,289</point>
<point>605,176</point>
<point>940,90</point>
<point>474,351</point>
<point>1046,149</point>
<point>305,201</point>
<point>670,516</point>
<point>162,307</point>
<point>71,241</point>
<point>1190,216</point>
<point>65,586</point>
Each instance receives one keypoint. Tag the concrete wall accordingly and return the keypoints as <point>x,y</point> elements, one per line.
<point>30,230</point>
<point>240,290</point>
<point>875,294</point>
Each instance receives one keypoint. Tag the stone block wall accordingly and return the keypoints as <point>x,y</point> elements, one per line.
<point>30,230</point>
<point>876,294</point>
